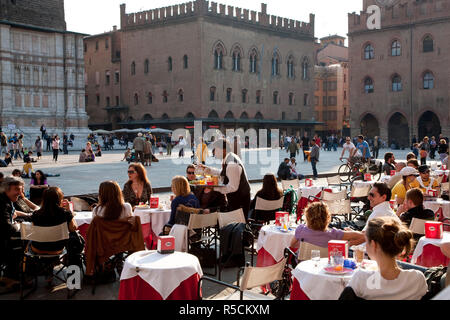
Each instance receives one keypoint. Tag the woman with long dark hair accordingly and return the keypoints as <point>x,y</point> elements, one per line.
<point>138,188</point>
<point>37,186</point>
<point>269,191</point>
<point>111,203</point>
<point>53,212</point>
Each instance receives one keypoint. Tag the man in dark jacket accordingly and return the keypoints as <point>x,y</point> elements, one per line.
<point>10,249</point>
<point>284,171</point>
<point>414,208</point>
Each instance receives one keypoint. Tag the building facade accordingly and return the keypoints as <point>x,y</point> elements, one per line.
<point>229,67</point>
<point>331,97</point>
<point>42,70</point>
<point>399,74</point>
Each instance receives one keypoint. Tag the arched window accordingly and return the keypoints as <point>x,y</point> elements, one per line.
<point>165,116</point>
<point>275,65</point>
<point>229,115</point>
<point>236,60</point>
<point>190,115</point>
<point>185,61</point>
<point>291,98</point>
<point>149,98</point>
<point>369,52</point>
<point>147,117</point>
<point>396,83</point>
<point>244,95</point>
<point>305,69</point>
<point>219,53</point>
<point>146,66</point>
<point>244,115</point>
<point>212,94</point>
<point>290,68</point>
<point>428,81</point>
<point>213,115</point>
<point>253,61</point>
<point>275,97</point>
<point>396,48</point>
<point>258,97</point>
<point>368,85</point>
<point>229,91</point>
<point>165,97</point>
<point>181,95</point>
<point>133,68</point>
<point>136,99</point>
<point>428,44</point>
<point>259,116</point>
<point>169,64</point>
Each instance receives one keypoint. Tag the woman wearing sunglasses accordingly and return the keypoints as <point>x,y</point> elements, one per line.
<point>137,189</point>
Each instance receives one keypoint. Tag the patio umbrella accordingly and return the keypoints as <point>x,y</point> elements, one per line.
<point>101,131</point>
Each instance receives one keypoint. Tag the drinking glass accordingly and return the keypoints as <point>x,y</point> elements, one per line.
<point>315,256</point>
<point>358,254</point>
<point>337,260</point>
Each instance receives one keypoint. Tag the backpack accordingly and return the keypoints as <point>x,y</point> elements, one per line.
<point>435,278</point>
<point>290,201</point>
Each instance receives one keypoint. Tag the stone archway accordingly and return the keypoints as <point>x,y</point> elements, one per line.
<point>370,126</point>
<point>398,131</point>
<point>429,125</point>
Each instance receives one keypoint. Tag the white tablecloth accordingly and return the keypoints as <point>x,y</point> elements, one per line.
<point>436,205</point>
<point>360,183</point>
<point>164,272</point>
<point>275,241</point>
<point>159,219</point>
<point>441,172</point>
<point>84,217</point>
<point>306,192</point>
<point>317,284</point>
<point>425,241</point>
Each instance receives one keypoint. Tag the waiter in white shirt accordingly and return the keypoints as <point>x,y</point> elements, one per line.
<point>233,176</point>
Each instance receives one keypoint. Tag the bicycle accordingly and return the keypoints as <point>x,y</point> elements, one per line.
<point>352,171</point>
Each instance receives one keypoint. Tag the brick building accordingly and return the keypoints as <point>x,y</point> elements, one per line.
<point>331,97</point>
<point>399,74</point>
<point>227,66</point>
<point>42,71</point>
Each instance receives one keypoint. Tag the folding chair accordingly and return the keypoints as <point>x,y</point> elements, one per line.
<point>226,218</point>
<point>304,251</point>
<point>358,193</point>
<point>80,204</point>
<point>417,226</point>
<point>445,188</point>
<point>253,277</point>
<point>265,209</point>
<point>334,181</point>
<point>287,184</point>
<point>34,264</point>
<point>338,202</point>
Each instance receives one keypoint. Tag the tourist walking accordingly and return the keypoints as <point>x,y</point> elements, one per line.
<point>315,153</point>
<point>55,147</point>
<point>4,142</point>
<point>138,146</point>
<point>181,144</point>
<point>305,146</point>
<point>293,149</point>
<point>39,147</point>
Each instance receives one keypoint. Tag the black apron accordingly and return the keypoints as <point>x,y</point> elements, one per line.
<point>240,198</point>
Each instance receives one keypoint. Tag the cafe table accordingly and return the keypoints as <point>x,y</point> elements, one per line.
<point>428,252</point>
<point>149,275</point>
<point>439,206</point>
<point>271,244</point>
<point>304,193</point>
<point>153,221</point>
<point>444,173</point>
<point>83,220</point>
<point>311,282</point>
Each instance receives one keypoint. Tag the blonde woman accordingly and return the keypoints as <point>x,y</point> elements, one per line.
<point>183,195</point>
<point>316,230</point>
<point>111,203</point>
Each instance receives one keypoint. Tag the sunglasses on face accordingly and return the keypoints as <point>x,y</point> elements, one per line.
<point>191,172</point>
<point>131,172</point>
<point>372,195</point>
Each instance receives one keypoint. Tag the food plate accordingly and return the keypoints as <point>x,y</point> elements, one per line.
<point>206,186</point>
<point>284,230</point>
<point>331,270</point>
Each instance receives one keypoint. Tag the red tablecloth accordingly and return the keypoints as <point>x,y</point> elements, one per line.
<point>432,256</point>
<point>83,230</point>
<point>303,203</point>
<point>297,292</point>
<point>137,289</point>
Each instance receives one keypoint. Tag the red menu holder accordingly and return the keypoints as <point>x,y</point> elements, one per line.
<point>432,193</point>
<point>308,183</point>
<point>279,216</point>
<point>392,203</point>
<point>444,167</point>
<point>367,177</point>
<point>338,246</point>
<point>166,245</point>
<point>154,203</point>
<point>434,230</point>
<point>393,173</point>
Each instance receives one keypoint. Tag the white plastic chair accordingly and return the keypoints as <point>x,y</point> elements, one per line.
<point>417,226</point>
<point>304,251</point>
<point>286,184</point>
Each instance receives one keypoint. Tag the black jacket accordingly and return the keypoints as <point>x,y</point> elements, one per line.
<point>418,212</point>
<point>284,171</point>
<point>234,237</point>
<point>6,222</point>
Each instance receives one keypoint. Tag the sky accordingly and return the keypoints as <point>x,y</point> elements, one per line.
<point>331,15</point>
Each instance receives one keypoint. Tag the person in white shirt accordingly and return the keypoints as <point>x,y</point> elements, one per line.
<point>234,177</point>
<point>386,239</point>
<point>379,197</point>
<point>350,147</point>
<point>111,203</point>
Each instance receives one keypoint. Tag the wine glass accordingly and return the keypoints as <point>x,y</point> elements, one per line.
<point>315,256</point>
